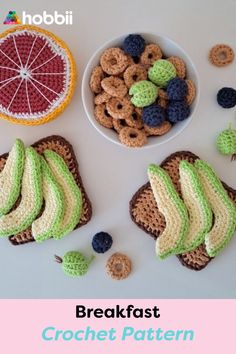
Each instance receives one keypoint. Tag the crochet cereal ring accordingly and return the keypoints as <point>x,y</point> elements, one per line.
<point>221,55</point>
<point>114,61</point>
<point>119,108</point>
<point>134,73</point>
<point>162,94</point>
<point>102,116</point>
<point>102,97</point>
<point>118,266</point>
<point>132,137</point>
<point>135,120</point>
<point>162,102</point>
<point>95,79</point>
<point>162,98</point>
<point>119,124</point>
<point>191,92</point>
<point>38,75</point>
<point>157,131</point>
<point>179,65</point>
<point>114,86</point>
<point>131,61</point>
<point>151,54</point>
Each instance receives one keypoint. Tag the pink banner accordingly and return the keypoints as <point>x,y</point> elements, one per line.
<point>117,326</point>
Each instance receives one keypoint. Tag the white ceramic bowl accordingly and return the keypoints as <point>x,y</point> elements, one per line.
<point>169,48</point>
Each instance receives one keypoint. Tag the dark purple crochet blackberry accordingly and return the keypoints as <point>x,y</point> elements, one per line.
<point>226,97</point>
<point>102,242</point>
<point>177,111</point>
<point>134,45</point>
<point>153,115</point>
<point>177,89</point>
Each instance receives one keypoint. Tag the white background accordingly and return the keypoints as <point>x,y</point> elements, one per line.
<point>112,174</point>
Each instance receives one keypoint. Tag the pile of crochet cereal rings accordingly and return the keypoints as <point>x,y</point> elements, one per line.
<point>139,92</point>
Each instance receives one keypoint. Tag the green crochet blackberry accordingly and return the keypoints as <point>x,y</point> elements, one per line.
<point>144,93</point>
<point>226,142</point>
<point>162,72</point>
<point>74,263</point>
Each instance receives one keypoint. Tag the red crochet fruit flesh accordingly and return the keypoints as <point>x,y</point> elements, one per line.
<point>37,75</point>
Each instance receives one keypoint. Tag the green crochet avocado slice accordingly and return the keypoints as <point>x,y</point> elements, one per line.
<point>172,207</point>
<point>11,177</point>
<point>44,227</point>
<point>199,210</point>
<point>223,208</point>
<point>31,197</point>
<point>71,192</point>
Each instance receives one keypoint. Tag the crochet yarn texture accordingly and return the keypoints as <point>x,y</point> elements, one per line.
<point>153,115</point>
<point>102,242</point>
<point>223,208</point>
<point>177,111</point>
<point>177,89</point>
<point>226,142</point>
<point>199,211</point>
<point>74,263</point>
<point>31,197</point>
<point>119,266</point>
<point>11,176</point>
<point>226,97</point>
<point>144,93</point>
<point>161,72</point>
<point>134,45</point>
<point>71,193</point>
<point>172,207</point>
<point>48,223</point>
<point>38,75</point>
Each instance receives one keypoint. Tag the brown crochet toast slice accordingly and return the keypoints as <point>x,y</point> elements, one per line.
<point>63,148</point>
<point>145,214</point>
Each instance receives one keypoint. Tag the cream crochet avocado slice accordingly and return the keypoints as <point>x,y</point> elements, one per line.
<point>172,207</point>
<point>48,223</point>
<point>11,177</point>
<point>199,210</point>
<point>71,192</point>
<point>31,197</point>
<point>223,208</point>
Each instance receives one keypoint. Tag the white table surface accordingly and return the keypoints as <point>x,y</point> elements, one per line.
<point>112,174</point>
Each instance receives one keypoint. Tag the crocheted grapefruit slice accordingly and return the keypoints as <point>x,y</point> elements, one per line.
<point>37,75</point>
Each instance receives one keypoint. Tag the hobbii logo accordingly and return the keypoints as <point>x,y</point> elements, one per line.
<point>48,19</point>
